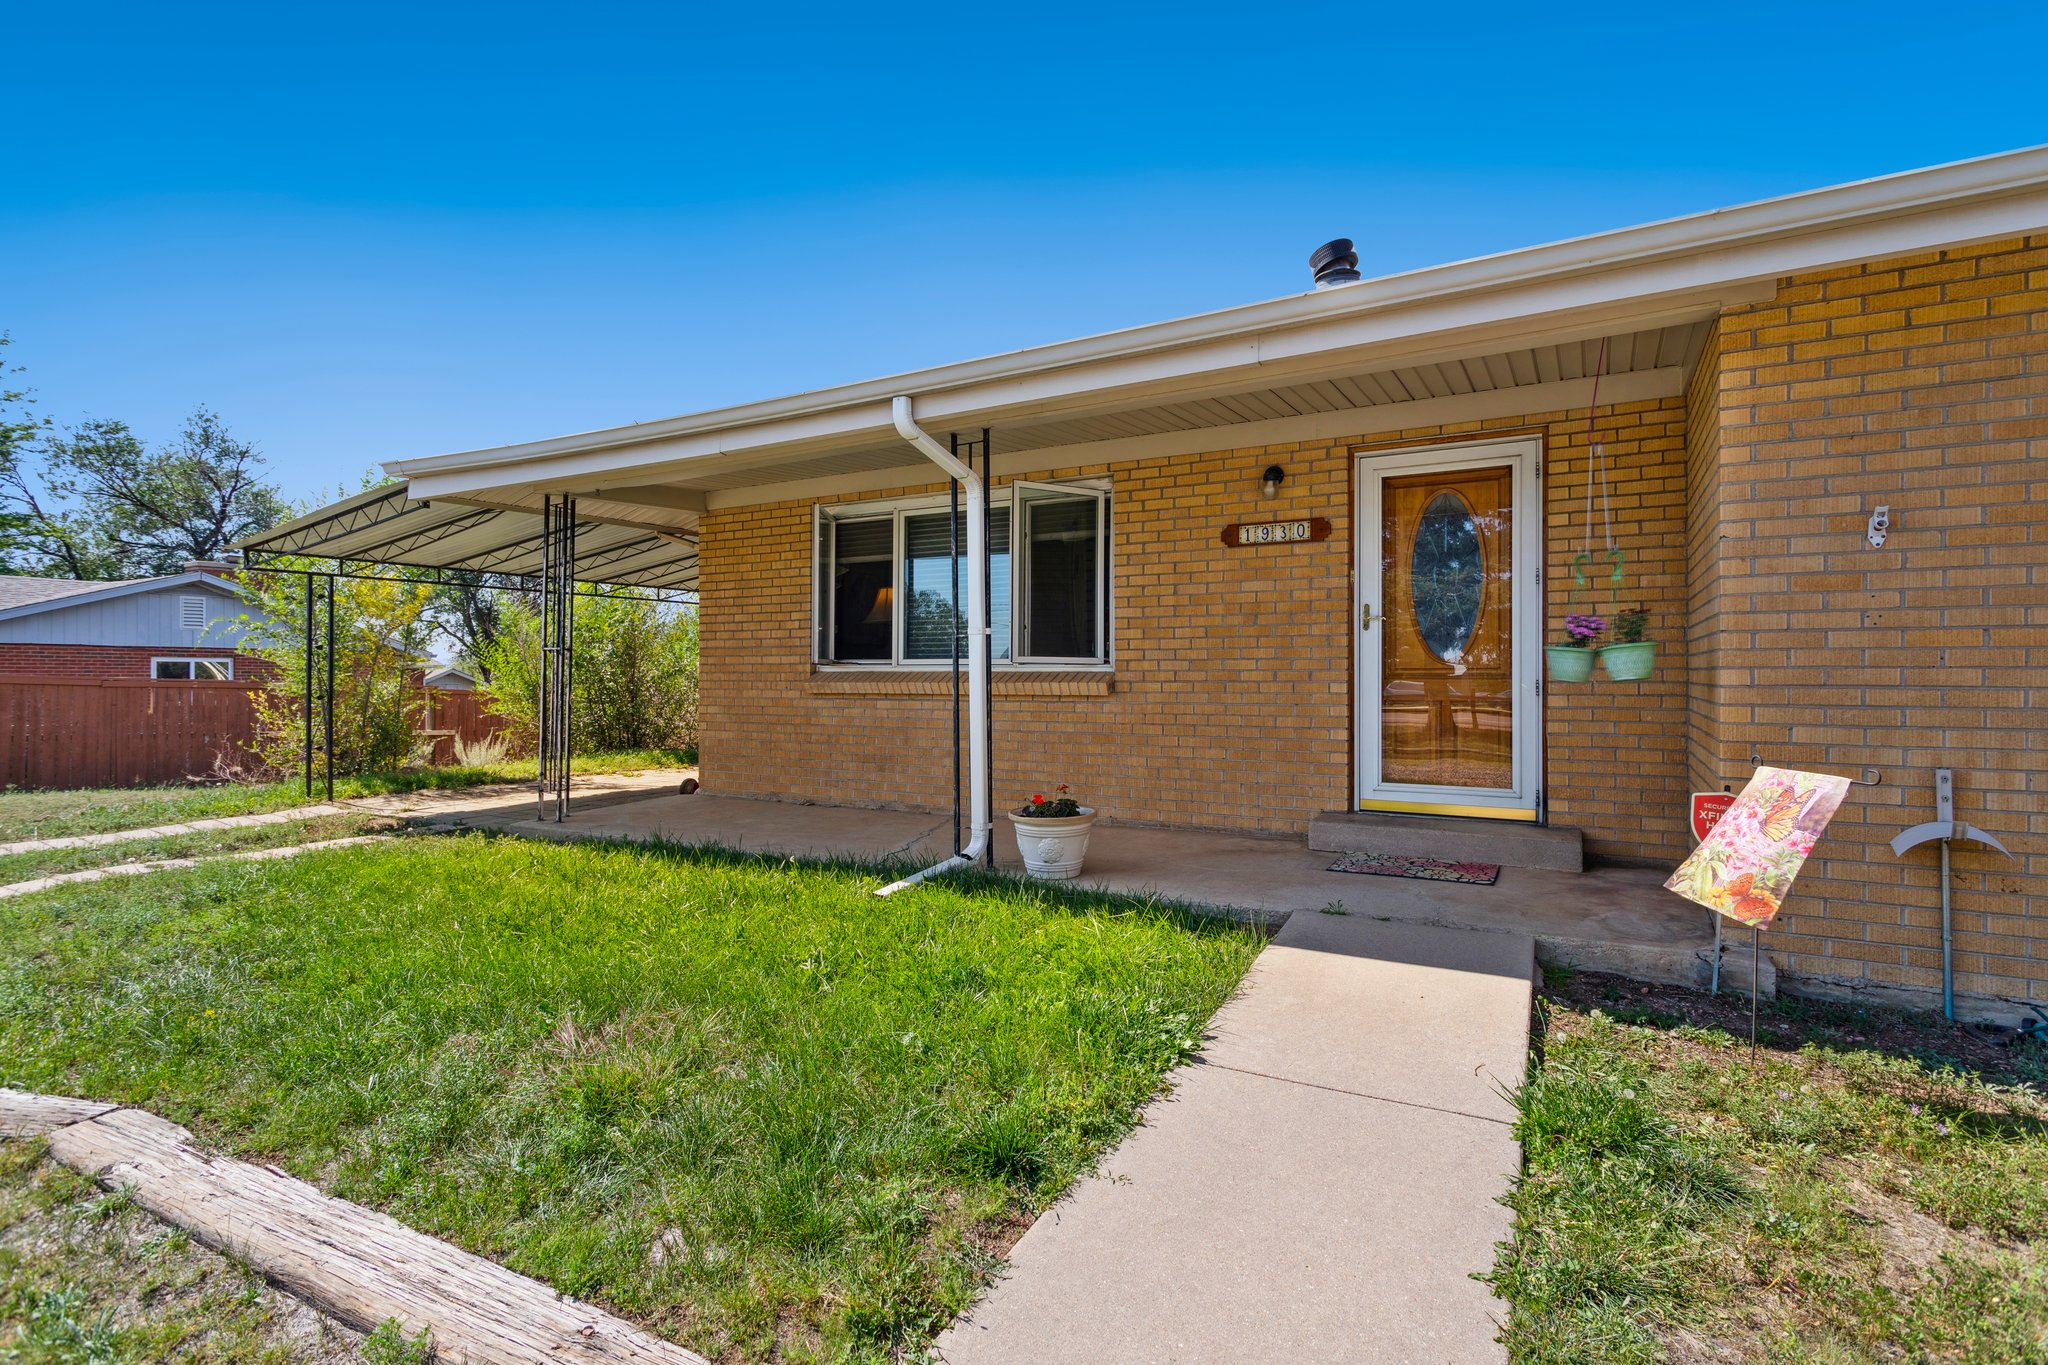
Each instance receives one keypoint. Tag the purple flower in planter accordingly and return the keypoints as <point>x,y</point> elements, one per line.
<point>1583,630</point>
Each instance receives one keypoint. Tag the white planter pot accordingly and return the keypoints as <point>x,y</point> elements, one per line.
<point>1053,847</point>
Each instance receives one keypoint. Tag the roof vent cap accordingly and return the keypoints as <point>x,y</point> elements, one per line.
<point>1334,263</point>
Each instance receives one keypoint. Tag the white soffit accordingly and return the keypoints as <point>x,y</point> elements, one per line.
<point>1355,404</point>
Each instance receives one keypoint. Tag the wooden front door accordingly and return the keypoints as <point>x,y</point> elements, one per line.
<point>1449,627</point>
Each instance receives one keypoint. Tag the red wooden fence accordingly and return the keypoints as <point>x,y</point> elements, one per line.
<point>119,732</point>
<point>458,715</point>
<point>126,732</point>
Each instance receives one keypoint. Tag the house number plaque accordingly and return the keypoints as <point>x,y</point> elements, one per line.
<point>1242,533</point>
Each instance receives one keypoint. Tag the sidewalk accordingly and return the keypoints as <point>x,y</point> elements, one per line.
<point>1319,1187</point>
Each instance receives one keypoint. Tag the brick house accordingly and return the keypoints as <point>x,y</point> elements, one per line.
<point>1294,562</point>
<point>177,627</point>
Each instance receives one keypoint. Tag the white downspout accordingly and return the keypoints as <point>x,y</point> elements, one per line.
<point>977,643</point>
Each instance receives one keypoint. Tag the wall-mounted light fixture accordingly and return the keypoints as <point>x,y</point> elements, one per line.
<point>1270,481</point>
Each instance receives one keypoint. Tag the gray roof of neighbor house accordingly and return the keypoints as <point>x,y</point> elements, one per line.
<point>20,591</point>
<point>173,611</point>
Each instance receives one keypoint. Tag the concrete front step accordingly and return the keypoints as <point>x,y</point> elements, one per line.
<point>1556,847</point>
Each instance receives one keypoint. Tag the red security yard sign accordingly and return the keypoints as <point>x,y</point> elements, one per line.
<point>1707,810</point>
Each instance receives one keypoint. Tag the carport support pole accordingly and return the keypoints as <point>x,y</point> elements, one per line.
<point>327,710</point>
<point>542,735</point>
<point>308,751</point>
<point>988,692</point>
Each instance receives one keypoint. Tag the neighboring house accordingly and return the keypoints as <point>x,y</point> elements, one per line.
<point>448,678</point>
<point>179,627</point>
<point>1268,568</point>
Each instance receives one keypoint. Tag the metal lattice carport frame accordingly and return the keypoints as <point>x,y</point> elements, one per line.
<point>546,551</point>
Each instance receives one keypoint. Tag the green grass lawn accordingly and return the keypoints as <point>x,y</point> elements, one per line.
<point>53,814</point>
<point>740,1101</point>
<point>1873,1188</point>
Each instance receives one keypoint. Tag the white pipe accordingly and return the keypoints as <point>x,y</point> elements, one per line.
<point>977,643</point>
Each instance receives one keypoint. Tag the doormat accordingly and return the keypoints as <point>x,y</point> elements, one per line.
<point>1417,869</point>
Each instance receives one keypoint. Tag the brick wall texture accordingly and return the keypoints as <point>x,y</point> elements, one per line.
<point>1920,383</point>
<point>1740,506</point>
<point>108,661</point>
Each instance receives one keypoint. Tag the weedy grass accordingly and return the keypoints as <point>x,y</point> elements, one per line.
<point>1830,1202</point>
<point>99,810</point>
<point>741,1101</point>
<point>87,1279</point>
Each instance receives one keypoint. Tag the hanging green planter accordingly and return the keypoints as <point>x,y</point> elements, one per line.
<point>1569,663</point>
<point>1631,662</point>
<point>1633,655</point>
<point>1572,661</point>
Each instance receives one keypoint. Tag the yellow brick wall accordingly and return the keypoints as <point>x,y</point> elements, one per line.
<point>1921,383</point>
<point>1231,704</point>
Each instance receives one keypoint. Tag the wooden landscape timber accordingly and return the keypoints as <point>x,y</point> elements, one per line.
<point>359,1266</point>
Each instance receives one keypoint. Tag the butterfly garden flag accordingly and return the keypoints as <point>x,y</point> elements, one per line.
<point>1744,867</point>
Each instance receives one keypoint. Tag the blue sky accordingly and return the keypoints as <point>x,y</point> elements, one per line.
<point>363,232</point>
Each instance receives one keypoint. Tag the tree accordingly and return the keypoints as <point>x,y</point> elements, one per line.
<point>19,428</point>
<point>635,672</point>
<point>466,608</point>
<point>106,506</point>
<point>380,637</point>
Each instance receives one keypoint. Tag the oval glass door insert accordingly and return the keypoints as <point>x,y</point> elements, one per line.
<point>1448,577</point>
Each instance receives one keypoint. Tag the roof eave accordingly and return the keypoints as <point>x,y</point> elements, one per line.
<point>1926,208</point>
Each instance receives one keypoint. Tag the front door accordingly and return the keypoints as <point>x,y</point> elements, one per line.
<point>1449,613</point>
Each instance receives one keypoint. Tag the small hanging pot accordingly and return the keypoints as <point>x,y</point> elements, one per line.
<point>1569,663</point>
<point>1630,662</point>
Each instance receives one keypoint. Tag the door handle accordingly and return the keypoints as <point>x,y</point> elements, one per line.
<point>1365,617</point>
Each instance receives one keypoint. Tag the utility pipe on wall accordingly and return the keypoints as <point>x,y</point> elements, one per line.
<point>977,642</point>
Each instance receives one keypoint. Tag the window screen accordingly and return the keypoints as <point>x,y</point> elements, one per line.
<point>1061,546</point>
<point>863,554</point>
<point>930,613</point>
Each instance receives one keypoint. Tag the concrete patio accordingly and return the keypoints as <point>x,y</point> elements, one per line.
<point>1608,919</point>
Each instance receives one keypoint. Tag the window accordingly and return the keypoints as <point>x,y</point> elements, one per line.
<point>886,579</point>
<point>187,670</point>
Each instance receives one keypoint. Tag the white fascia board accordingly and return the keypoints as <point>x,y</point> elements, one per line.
<point>1525,400</point>
<point>1678,260</point>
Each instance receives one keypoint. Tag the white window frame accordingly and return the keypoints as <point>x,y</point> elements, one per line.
<point>1020,571</point>
<point>193,660</point>
<point>924,504</point>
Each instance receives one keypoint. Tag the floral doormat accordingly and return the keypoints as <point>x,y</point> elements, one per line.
<point>1419,869</point>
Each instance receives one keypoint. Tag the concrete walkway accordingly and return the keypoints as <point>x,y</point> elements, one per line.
<point>254,855</point>
<point>129,836</point>
<point>1320,1185</point>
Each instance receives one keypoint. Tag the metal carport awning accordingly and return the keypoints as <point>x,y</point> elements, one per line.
<point>385,526</point>
<point>548,549</point>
